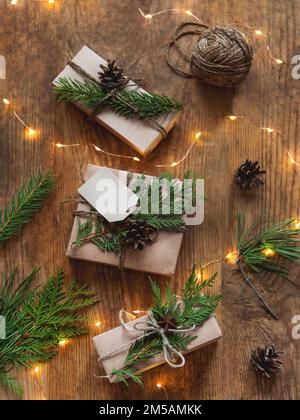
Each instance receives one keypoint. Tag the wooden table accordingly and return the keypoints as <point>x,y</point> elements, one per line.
<point>37,41</point>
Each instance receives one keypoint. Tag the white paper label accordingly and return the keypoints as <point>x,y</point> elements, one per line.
<point>109,195</point>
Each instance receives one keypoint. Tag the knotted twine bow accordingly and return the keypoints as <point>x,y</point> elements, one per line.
<point>150,327</point>
<point>115,93</point>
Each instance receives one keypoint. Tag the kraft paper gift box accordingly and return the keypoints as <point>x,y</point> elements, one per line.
<point>136,133</point>
<point>111,340</point>
<point>159,258</point>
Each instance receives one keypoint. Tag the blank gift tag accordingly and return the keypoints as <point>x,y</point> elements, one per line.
<point>109,195</point>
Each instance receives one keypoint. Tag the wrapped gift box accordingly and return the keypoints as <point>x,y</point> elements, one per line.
<point>159,258</point>
<point>105,343</point>
<point>136,133</point>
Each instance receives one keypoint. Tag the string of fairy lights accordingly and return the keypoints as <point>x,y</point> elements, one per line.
<point>34,133</point>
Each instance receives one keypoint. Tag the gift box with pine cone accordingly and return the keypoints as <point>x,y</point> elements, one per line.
<point>173,327</point>
<point>149,243</point>
<point>102,90</point>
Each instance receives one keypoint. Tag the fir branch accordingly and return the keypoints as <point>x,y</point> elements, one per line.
<point>126,103</point>
<point>36,320</point>
<point>195,310</point>
<point>269,249</point>
<point>27,201</point>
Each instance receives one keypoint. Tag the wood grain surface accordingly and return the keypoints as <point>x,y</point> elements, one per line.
<point>37,41</point>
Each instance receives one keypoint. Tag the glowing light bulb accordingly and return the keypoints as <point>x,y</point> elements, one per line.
<point>14,2</point>
<point>189,13</point>
<point>59,145</point>
<point>268,130</point>
<point>258,32</point>
<point>36,369</point>
<point>31,131</point>
<point>63,343</point>
<point>198,135</point>
<point>136,159</point>
<point>297,225</point>
<point>174,164</point>
<point>278,61</point>
<point>6,101</point>
<point>268,252</point>
<point>232,257</point>
<point>98,323</point>
<point>232,117</point>
<point>51,1</point>
<point>148,16</point>
<point>159,385</point>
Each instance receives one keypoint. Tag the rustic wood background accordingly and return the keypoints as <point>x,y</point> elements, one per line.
<point>37,41</point>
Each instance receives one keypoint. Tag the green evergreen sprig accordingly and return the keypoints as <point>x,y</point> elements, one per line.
<point>194,309</point>
<point>36,320</point>
<point>269,249</point>
<point>129,104</point>
<point>27,201</point>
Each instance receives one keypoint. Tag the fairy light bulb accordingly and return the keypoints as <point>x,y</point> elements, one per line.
<point>189,13</point>
<point>159,385</point>
<point>59,145</point>
<point>14,2</point>
<point>198,135</point>
<point>278,61</point>
<point>232,257</point>
<point>63,343</point>
<point>98,323</point>
<point>31,131</point>
<point>232,117</point>
<point>51,2</point>
<point>268,252</point>
<point>136,159</point>
<point>258,32</point>
<point>148,16</point>
<point>6,101</point>
<point>36,369</point>
<point>297,224</point>
<point>268,130</point>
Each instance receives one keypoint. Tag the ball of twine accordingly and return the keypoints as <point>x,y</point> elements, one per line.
<point>222,57</point>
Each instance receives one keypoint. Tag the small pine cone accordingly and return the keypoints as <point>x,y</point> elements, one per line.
<point>249,175</point>
<point>112,76</point>
<point>267,361</point>
<point>139,234</point>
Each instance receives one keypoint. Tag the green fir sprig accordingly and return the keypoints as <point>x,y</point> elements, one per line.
<point>131,103</point>
<point>194,308</point>
<point>271,248</point>
<point>27,201</point>
<point>36,320</point>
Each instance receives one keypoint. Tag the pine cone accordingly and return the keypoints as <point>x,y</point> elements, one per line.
<point>139,234</point>
<point>112,76</point>
<point>267,361</point>
<point>249,175</point>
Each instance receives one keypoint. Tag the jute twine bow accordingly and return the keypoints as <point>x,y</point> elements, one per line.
<point>115,93</point>
<point>222,55</point>
<point>173,357</point>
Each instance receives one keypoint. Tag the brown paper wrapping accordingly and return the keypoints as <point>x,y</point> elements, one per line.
<point>159,258</point>
<point>136,133</point>
<point>113,339</point>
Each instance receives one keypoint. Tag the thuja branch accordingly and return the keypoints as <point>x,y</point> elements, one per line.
<point>36,320</point>
<point>129,103</point>
<point>24,204</point>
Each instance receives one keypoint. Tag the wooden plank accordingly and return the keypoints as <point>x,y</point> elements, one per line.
<point>37,41</point>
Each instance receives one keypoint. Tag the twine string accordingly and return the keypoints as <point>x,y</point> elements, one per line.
<point>222,55</point>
